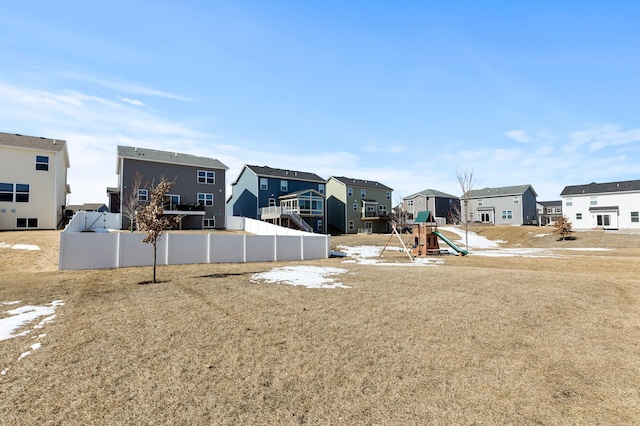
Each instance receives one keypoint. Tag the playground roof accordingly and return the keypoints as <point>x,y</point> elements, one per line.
<point>423,217</point>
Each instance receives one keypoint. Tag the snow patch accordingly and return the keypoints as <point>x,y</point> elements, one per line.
<point>307,276</point>
<point>24,315</point>
<point>19,246</point>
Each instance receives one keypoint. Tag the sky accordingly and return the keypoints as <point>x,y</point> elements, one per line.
<point>406,93</point>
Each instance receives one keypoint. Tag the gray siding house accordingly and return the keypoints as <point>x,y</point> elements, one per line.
<point>550,211</point>
<point>198,189</point>
<point>507,205</point>
<point>441,204</point>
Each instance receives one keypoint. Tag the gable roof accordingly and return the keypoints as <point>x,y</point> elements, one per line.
<point>145,154</point>
<point>423,217</point>
<point>501,191</point>
<point>265,171</point>
<point>360,183</point>
<point>599,188</point>
<point>554,203</point>
<point>432,193</point>
<point>36,143</point>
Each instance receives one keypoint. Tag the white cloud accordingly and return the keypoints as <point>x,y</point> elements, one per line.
<point>518,135</point>
<point>132,101</point>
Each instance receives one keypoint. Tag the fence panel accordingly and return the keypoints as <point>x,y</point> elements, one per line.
<point>226,248</point>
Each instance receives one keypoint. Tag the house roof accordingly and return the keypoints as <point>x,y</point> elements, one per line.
<point>265,171</point>
<point>360,183</point>
<point>146,154</point>
<point>35,142</point>
<point>599,188</point>
<point>555,203</point>
<point>501,191</point>
<point>432,193</point>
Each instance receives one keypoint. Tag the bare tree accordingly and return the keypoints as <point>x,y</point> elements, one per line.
<point>131,202</point>
<point>466,181</point>
<point>152,220</point>
<point>562,227</point>
<point>399,216</point>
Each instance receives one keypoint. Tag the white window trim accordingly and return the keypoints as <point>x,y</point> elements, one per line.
<point>202,198</point>
<point>208,174</point>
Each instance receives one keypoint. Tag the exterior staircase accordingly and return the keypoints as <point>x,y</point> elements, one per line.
<point>299,221</point>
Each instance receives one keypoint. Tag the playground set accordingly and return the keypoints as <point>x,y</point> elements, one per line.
<point>424,238</point>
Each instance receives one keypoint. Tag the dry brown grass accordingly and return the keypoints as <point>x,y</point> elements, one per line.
<point>476,340</point>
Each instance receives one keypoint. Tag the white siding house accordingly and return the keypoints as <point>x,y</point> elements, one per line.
<point>33,182</point>
<point>612,205</point>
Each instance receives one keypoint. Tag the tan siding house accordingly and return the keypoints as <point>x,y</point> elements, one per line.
<point>33,182</point>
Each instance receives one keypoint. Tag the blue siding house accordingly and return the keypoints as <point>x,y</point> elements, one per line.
<point>288,198</point>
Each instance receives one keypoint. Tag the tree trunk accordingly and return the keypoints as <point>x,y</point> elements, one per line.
<point>155,245</point>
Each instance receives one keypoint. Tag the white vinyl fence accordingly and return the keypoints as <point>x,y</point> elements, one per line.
<point>83,248</point>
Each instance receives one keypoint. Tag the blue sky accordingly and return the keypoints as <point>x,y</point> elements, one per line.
<point>407,93</point>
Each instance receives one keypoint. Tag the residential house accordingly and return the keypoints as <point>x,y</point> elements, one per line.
<point>290,198</point>
<point>33,182</point>
<point>197,192</point>
<point>507,205</point>
<point>549,211</point>
<point>356,205</point>
<point>441,205</point>
<point>612,205</point>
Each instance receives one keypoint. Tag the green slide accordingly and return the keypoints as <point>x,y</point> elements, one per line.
<point>451,244</point>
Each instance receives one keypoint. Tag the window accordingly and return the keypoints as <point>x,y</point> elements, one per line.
<point>569,202</point>
<point>507,214</point>
<point>480,202</point>
<point>272,202</point>
<point>355,207</point>
<point>22,193</point>
<point>363,193</point>
<point>549,210</point>
<point>23,222</point>
<point>6,192</point>
<point>205,199</point>
<point>284,185</point>
<point>578,216</point>
<point>351,225</point>
<point>350,192</point>
<point>319,225</point>
<point>210,222</point>
<point>264,184</point>
<point>470,215</point>
<point>388,195</point>
<point>18,192</point>
<point>321,188</point>
<point>205,176</point>
<point>409,202</point>
<point>42,162</point>
<point>634,217</point>
<point>382,210</point>
<point>593,201</point>
<point>516,200</point>
<point>143,194</point>
<point>171,201</point>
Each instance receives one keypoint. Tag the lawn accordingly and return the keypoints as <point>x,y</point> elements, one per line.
<point>548,333</point>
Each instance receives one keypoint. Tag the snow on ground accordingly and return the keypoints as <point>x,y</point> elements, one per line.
<point>475,240</point>
<point>370,255</point>
<point>19,246</point>
<point>13,319</point>
<point>307,276</point>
